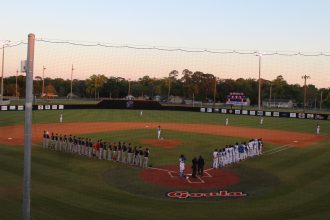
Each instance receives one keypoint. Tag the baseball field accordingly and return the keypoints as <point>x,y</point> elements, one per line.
<point>289,181</point>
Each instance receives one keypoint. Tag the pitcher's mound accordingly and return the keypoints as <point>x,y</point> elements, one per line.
<point>163,143</point>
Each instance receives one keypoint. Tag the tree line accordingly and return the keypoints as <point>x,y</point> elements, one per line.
<point>191,85</point>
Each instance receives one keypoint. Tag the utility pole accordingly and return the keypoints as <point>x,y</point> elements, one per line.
<point>321,100</point>
<point>2,69</point>
<point>129,86</point>
<point>28,128</point>
<point>215,90</point>
<point>270,94</point>
<point>259,82</point>
<point>169,89</point>
<point>16,93</point>
<point>71,81</point>
<point>43,81</point>
<point>95,87</point>
<point>305,77</point>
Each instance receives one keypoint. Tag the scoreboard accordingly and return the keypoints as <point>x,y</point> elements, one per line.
<point>236,98</point>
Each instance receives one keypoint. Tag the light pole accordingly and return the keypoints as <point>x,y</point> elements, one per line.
<point>16,84</point>
<point>259,82</point>
<point>305,77</point>
<point>43,81</point>
<point>71,81</point>
<point>4,43</point>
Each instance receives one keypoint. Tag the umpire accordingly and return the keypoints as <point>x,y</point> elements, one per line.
<point>201,164</point>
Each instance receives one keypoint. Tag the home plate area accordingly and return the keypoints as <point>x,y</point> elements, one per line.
<point>189,178</point>
<point>168,176</point>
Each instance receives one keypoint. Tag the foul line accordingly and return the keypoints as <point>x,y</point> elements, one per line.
<point>275,149</point>
<point>274,152</point>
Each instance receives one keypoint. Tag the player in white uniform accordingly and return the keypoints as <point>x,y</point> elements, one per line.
<point>141,113</point>
<point>182,165</point>
<point>159,130</point>
<point>318,129</point>
<point>215,159</point>
<point>261,120</point>
<point>227,121</point>
<point>61,118</point>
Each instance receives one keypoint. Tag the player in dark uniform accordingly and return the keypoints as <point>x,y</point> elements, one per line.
<point>136,156</point>
<point>124,154</point>
<point>200,168</point>
<point>119,152</point>
<point>65,143</point>
<point>105,150</point>
<point>47,140</point>
<point>110,152</point>
<point>60,146</point>
<point>130,154</point>
<point>140,157</point>
<point>146,158</point>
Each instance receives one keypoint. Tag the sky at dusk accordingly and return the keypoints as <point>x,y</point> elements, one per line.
<point>257,25</point>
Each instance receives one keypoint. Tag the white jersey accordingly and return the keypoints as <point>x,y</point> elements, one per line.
<point>158,132</point>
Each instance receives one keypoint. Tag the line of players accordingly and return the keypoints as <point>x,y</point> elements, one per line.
<point>234,153</point>
<point>120,152</point>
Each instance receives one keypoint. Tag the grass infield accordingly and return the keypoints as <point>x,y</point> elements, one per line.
<point>288,184</point>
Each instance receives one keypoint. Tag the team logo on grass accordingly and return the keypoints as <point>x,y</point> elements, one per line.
<point>185,194</point>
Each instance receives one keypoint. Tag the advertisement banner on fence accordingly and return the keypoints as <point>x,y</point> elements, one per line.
<point>310,116</point>
<point>216,110</point>
<point>202,109</point>
<point>244,112</point>
<point>209,110</point>
<point>237,112</point>
<point>260,113</point>
<point>252,112</point>
<point>293,115</point>
<point>4,108</point>
<point>224,111</point>
<point>268,114</point>
<point>54,107</point>
<point>276,114</point>
<point>40,107</point>
<point>20,107</point>
<point>301,115</point>
<point>12,107</point>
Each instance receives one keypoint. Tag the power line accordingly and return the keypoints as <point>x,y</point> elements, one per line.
<point>172,49</point>
<point>181,49</point>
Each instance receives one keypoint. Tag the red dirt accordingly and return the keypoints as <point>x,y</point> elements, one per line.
<point>212,179</point>
<point>162,143</point>
<point>273,136</point>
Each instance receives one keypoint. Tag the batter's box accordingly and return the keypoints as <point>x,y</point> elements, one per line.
<point>195,180</point>
<point>206,174</point>
<point>173,174</point>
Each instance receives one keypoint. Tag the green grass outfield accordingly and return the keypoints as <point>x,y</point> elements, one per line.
<point>291,184</point>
